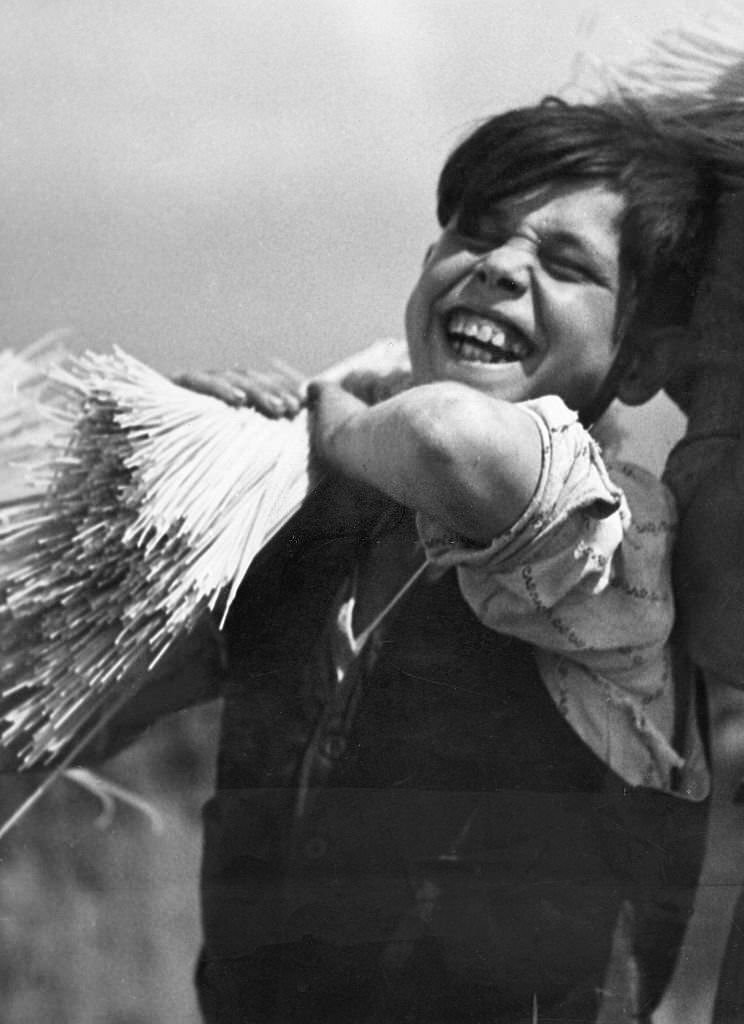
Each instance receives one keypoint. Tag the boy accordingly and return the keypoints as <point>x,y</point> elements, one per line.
<point>437,789</point>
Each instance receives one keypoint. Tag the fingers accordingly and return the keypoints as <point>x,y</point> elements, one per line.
<point>372,375</point>
<point>274,394</point>
<point>214,384</point>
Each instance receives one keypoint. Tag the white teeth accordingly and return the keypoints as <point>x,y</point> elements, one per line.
<point>503,343</point>
<point>475,354</point>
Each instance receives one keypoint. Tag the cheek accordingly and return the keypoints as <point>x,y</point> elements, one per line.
<point>445,273</point>
<point>605,318</point>
<point>415,315</point>
<point>589,323</point>
<point>439,276</point>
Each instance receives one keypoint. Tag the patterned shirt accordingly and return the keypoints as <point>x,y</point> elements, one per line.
<point>584,576</point>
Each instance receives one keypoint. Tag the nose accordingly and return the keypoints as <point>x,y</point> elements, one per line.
<point>505,270</point>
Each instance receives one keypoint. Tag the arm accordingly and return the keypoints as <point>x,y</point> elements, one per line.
<point>470,461</point>
<point>706,473</point>
<point>710,591</point>
<point>374,373</point>
<point>709,582</point>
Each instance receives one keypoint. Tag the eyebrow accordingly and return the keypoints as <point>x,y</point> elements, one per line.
<point>562,236</point>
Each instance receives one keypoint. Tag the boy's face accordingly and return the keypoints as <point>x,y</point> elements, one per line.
<point>525,303</point>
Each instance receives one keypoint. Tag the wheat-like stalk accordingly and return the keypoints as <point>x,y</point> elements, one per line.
<point>156,502</point>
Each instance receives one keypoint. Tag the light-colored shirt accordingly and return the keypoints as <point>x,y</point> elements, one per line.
<point>584,576</point>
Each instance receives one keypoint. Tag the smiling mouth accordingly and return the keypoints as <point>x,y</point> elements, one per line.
<point>479,339</point>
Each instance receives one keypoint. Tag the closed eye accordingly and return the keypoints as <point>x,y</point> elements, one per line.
<point>571,265</point>
<point>568,270</point>
<point>567,258</point>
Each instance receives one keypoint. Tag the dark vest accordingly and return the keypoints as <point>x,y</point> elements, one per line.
<point>457,851</point>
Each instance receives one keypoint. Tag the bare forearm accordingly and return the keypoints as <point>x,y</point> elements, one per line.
<point>469,460</point>
<point>709,583</point>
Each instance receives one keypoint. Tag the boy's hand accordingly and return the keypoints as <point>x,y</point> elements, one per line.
<point>277,394</point>
<point>378,371</point>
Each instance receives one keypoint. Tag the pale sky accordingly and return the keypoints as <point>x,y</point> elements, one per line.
<point>209,183</point>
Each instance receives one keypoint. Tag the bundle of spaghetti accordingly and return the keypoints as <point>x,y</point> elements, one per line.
<point>157,499</point>
<point>156,502</point>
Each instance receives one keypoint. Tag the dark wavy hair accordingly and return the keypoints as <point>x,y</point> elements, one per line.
<point>670,167</point>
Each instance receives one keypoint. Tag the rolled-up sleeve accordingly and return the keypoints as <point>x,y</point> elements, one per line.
<point>584,576</point>
<point>577,574</point>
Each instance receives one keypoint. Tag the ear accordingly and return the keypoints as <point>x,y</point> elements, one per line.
<point>652,358</point>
